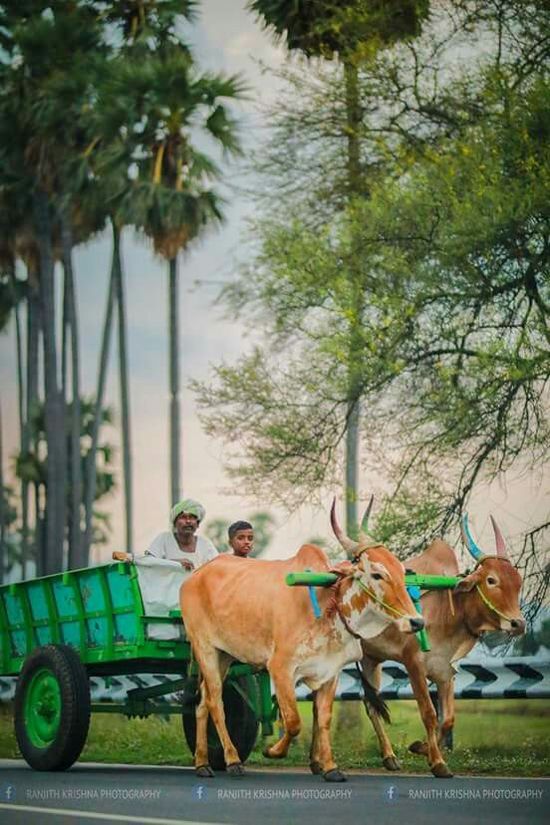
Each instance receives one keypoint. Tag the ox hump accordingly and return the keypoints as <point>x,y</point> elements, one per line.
<point>438,559</point>
<point>310,555</point>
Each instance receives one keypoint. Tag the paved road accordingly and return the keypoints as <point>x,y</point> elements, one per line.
<point>91,793</point>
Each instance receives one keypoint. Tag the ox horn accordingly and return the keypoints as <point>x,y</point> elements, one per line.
<point>471,546</point>
<point>499,539</point>
<point>363,532</point>
<point>348,544</point>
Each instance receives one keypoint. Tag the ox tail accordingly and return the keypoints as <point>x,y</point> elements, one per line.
<point>373,699</point>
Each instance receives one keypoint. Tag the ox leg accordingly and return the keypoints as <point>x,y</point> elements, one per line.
<point>314,764</point>
<point>419,685</point>
<point>202,768</point>
<point>447,703</point>
<point>372,671</point>
<point>213,666</point>
<point>286,699</point>
<point>321,748</point>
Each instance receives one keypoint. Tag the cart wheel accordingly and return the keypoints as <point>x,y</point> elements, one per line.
<point>241,721</point>
<point>52,708</point>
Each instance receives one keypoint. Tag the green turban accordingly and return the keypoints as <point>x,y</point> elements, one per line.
<point>187,505</point>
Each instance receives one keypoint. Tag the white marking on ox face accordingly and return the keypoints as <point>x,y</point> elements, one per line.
<point>375,618</point>
<point>372,619</point>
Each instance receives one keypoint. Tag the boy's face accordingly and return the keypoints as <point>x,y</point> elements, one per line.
<point>242,542</point>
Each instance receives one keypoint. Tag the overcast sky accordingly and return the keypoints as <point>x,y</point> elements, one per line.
<point>229,39</point>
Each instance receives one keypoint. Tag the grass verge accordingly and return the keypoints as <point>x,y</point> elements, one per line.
<point>505,737</point>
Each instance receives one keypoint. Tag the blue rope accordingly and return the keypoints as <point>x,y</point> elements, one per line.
<point>313,597</point>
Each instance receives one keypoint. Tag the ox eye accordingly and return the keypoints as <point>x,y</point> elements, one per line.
<point>491,580</point>
<point>377,576</point>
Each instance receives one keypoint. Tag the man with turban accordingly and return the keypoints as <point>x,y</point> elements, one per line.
<point>180,543</point>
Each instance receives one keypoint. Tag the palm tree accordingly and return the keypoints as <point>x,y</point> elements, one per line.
<point>172,199</point>
<point>32,466</point>
<point>45,102</point>
<point>119,110</point>
<point>353,31</point>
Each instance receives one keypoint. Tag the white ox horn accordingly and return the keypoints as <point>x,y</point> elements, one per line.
<point>348,544</point>
<point>364,537</point>
<point>499,539</point>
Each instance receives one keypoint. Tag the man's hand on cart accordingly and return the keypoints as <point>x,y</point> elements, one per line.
<point>120,555</point>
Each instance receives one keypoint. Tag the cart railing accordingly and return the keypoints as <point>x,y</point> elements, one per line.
<point>99,611</point>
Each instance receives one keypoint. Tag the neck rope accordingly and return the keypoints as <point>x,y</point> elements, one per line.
<point>388,607</point>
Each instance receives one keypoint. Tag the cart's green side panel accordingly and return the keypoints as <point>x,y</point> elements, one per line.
<point>98,611</point>
<point>122,597</point>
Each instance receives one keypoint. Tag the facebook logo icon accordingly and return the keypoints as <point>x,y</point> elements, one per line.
<point>391,793</point>
<point>199,792</point>
<point>8,793</point>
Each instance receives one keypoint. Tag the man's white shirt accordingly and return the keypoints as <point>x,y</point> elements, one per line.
<point>165,546</point>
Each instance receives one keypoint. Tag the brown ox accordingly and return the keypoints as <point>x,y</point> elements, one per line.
<point>242,609</point>
<point>485,600</point>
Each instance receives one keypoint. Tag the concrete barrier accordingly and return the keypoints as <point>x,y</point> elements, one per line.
<point>524,677</point>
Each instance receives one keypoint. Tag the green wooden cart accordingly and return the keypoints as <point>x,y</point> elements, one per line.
<point>58,631</point>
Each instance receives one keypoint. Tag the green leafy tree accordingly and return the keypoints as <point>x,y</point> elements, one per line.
<point>354,32</point>
<point>453,355</point>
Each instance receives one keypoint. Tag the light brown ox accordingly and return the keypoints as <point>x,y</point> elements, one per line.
<point>485,600</point>
<point>242,609</point>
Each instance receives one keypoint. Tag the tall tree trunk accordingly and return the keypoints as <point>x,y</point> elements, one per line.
<point>33,348</point>
<point>349,714</point>
<point>65,333</point>
<point>54,408</point>
<point>19,354</point>
<point>353,120</point>
<point>91,466</point>
<point>124,392</point>
<point>175,446</point>
<point>76,558</point>
<point>23,428</point>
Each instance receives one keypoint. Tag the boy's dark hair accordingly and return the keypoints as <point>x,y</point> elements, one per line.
<point>236,526</point>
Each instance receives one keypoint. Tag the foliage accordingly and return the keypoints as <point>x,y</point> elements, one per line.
<point>31,466</point>
<point>104,114</point>
<point>329,26</point>
<point>448,245</point>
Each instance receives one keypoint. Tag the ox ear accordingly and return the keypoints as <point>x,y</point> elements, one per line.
<point>343,568</point>
<point>467,583</point>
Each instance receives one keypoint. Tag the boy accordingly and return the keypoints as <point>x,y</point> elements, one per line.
<point>241,538</point>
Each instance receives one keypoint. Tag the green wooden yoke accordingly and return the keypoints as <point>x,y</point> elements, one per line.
<point>414,582</point>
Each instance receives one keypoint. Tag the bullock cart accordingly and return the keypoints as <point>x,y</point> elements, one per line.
<point>58,632</point>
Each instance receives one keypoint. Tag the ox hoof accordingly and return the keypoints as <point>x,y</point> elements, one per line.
<point>391,763</point>
<point>315,768</point>
<point>335,776</point>
<point>269,753</point>
<point>419,747</point>
<point>204,771</point>
<point>441,770</point>
<point>236,769</point>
